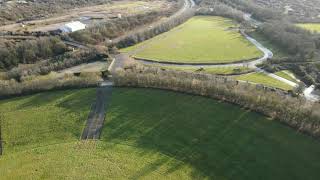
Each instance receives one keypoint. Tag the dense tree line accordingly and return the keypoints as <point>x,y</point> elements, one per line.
<point>46,83</point>
<point>29,51</point>
<point>148,33</point>
<point>113,28</point>
<point>110,29</point>
<point>286,109</point>
<point>220,9</point>
<point>57,63</point>
<point>257,12</point>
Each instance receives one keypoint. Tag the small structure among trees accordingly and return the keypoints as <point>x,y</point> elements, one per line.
<point>72,27</point>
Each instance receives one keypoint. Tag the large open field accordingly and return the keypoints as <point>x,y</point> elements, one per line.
<point>150,134</point>
<point>202,39</point>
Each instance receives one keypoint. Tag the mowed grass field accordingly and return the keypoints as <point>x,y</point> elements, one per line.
<point>44,118</point>
<point>261,78</point>
<point>313,27</point>
<point>202,39</point>
<point>155,134</point>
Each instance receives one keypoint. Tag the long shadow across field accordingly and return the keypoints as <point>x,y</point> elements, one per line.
<point>220,141</point>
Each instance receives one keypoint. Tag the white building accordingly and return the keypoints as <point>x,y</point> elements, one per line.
<point>72,27</point>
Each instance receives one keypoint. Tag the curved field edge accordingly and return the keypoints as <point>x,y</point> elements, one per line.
<point>202,39</point>
<point>156,134</point>
<point>220,140</point>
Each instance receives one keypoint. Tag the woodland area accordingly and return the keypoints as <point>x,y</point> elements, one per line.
<point>29,51</point>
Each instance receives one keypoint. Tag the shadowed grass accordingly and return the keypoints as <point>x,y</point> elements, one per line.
<point>154,134</point>
<point>220,141</point>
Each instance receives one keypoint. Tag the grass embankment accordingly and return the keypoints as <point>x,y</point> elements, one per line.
<point>202,39</point>
<point>210,70</point>
<point>261,78</point>
<point>287,75</point>
<point>154,134</point>
<point>313,27</point>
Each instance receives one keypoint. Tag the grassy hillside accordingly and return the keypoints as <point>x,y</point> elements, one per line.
<point>313,27</point>
<point>261,78</point>
<point>154,134</point>
<point>287,75</point>
<point>45,118</point>
<point>202,39</point>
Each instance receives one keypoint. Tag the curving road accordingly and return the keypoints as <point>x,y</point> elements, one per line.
<point>121,59</point>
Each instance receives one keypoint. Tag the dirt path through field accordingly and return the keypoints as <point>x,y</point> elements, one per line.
<point>98,113</point>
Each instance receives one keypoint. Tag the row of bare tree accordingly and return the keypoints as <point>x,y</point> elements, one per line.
<point>47,83</point>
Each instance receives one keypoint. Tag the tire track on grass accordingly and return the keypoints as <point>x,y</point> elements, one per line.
<point>97,114</point>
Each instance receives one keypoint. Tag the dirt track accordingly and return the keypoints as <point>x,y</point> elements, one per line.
<point>97,115</point>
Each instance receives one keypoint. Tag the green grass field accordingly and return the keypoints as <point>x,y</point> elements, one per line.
<point>202,39</point>
<point>261,78</point>
<point>313,27</point>
<point>154,134</point>
<point>287,75</point>
<point>44,119</point>
<point>210,70</point>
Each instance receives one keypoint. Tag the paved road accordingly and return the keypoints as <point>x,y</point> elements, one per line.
<point>98,112</point>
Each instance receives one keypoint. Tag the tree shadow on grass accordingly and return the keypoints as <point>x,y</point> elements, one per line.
<point>220,141</point>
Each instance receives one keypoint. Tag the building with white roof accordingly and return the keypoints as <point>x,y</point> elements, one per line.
<point>72,27</point>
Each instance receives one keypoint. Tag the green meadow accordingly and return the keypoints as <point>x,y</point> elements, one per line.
<point>202,39</point>
<point>151,134</point>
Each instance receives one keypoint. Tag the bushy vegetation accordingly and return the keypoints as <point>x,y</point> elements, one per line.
<point>291,111</point>
<point>20,11</point>
<point>202,39</point>
<point>33,84</point>
<point>29,51</point>
<point>113,28</point>
<point>156,29</point>
<point>57,63</point>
